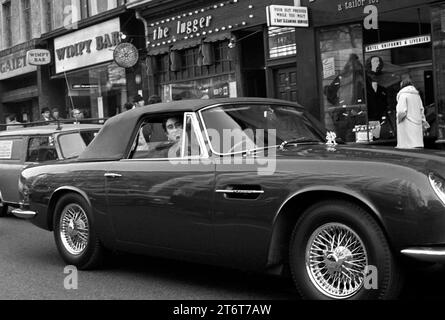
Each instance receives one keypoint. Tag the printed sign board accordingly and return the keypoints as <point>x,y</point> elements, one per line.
<point>287,16</point>
<point>86,47</point>
<point>14,65</point>
<point>38,57</point>
<point>398,43</point>
<point>5,149</point>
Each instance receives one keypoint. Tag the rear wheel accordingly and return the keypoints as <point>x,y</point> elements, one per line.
<point>338,251</point>
<point>75,234</point>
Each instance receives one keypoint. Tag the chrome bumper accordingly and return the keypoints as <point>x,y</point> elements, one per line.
<point>436,255</point>
<point>24,214</point>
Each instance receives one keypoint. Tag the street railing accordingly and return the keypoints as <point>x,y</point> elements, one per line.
<point>59,123</point>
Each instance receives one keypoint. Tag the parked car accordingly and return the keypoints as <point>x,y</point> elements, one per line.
<point>248,183</point>
<point>25,146</point>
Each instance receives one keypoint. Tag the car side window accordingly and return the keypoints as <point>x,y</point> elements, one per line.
<point>41,149</point>
<point>167,137</point>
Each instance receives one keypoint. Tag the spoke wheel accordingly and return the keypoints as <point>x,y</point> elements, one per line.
<point>75,232</point>
<point>74,229</point>
<point>333,244</point>
<point>336,259</point>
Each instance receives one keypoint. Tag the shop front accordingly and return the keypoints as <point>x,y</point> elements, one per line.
<point>84,65</point>
<point>19,93</point>
<point>205,50</point>
<point>363,54</point>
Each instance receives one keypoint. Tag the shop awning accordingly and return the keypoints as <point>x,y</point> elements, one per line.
<point>158,50</point>
<point>187,44</point>
<point>218,37</point>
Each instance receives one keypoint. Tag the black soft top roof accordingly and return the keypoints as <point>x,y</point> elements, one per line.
<point>112,141</point>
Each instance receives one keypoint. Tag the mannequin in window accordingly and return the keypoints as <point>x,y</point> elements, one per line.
<point>376,94</point>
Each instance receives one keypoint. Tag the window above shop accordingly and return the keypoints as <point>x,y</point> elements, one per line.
<point>282,42</point>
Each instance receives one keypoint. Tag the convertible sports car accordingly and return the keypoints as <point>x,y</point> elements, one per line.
<point>248,183</point>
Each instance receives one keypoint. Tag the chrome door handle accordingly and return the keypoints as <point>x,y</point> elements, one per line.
<point>241,191</point>
<point>112,175</point>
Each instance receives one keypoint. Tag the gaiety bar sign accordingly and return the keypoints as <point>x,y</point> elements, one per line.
<point>14,65</point>
<point>87,47</point>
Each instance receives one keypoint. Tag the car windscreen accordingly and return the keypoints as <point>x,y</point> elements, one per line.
<point>74,143</point>
<point>237,128</point>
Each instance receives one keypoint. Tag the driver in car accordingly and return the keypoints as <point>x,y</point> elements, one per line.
<point>173,128</point>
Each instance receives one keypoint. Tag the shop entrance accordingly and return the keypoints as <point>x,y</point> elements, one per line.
<point>253,62</point>
<point>286,83</point>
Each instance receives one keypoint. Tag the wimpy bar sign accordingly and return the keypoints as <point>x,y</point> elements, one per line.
<point>87,47</point>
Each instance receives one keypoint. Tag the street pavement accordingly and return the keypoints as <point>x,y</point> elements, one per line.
<point>30,268</point>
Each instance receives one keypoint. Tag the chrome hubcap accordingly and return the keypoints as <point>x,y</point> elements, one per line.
<point>336,259</point>
<point>74,229</point>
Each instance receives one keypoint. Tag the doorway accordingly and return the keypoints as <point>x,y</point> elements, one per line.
<point>285,80</point>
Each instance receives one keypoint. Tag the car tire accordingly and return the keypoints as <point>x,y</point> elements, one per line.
<point>332,244</point>
<point>3,211</point>
<point>75,233</point>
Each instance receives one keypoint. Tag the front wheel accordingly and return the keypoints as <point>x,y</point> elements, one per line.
<point>74,233</point>
<point>338,251</point>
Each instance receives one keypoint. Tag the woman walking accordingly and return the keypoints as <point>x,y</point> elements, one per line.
<point>411,120</point>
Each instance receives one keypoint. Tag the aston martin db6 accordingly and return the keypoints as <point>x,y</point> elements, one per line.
<point>248,183</point>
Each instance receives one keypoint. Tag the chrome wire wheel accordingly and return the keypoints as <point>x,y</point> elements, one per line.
<point>336,259</point>
<point>74,229</point>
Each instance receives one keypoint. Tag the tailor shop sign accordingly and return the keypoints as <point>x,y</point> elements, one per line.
<point>87,47</point>
<point>325,12</point>
<point>14,65</point>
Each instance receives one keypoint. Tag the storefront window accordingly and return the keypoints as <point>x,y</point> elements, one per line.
<point>438,24</point>
<point>400,49</point>
<point>282,42</point>
<point>98,92</point>
<point>200,72</point>
<point>343,81</point>
<point>210,88</point>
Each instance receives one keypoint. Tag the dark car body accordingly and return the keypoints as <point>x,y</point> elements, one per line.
<point>29,146</point>
<point>216,212</point>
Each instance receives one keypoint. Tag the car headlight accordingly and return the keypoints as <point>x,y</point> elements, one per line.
<point>438,185</point>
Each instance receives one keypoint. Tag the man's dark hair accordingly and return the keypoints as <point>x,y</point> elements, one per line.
<point>55,109</point>
<point>164,123</point>
<point>45,110</point>
<point>128,106</point>
<point>137,98</point>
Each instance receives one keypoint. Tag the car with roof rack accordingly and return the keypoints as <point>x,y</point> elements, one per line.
<point>21,147</point>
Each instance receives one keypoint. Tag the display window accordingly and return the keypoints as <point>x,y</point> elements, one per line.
<point>361,71</point>
<point>97,92</point>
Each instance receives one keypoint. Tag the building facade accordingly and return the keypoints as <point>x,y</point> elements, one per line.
<point>36,24</point>
<point>213,49</point>
<point>20,30</point>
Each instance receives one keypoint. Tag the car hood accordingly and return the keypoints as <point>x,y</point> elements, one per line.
<point>418,159</point>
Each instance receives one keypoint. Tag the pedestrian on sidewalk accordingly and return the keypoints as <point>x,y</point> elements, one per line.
<point>411,121</point>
